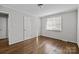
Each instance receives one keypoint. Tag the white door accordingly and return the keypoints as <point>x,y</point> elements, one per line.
<point>27,28</point>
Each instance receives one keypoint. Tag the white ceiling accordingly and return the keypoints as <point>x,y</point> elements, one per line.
<point>47,9</point>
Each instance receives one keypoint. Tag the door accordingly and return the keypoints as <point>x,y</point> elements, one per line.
<point>27,28</point>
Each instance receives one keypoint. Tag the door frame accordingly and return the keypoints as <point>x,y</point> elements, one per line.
<point>7,28</point>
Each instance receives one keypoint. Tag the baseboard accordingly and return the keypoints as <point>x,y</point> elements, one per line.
<point>3,38</point>
<point>13,43</point>
<point>57,39</point>
<point>45,37</point>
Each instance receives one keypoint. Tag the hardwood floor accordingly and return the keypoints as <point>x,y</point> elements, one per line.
<point>45,46</point>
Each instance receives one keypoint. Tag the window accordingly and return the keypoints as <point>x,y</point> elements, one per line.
<point>54,23</point>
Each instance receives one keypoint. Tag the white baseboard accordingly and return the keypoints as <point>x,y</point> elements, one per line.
<point>59,39</point>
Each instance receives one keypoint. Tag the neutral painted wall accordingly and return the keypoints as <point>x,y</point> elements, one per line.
<point>78,28</point>
<point>35,24</point>
<point>69,25</point>
<point>15,27</point>
<point>3,26</point>
<point>16,24</point>
<point>31,27</point>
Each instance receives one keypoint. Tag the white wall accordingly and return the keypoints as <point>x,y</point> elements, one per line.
<point>31,27</point>
<point>3,26</point>
<point>15,25</point>
<point>78,28</point>
<point>27,27</point>
<point>35,24</point>
<point>69,31</point>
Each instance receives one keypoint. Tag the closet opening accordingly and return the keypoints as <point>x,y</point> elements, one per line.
<point>4,40</point>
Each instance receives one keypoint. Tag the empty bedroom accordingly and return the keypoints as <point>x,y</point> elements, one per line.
<point>39,29</point>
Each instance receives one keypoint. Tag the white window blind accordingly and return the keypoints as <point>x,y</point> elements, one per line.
<point>54,23</point>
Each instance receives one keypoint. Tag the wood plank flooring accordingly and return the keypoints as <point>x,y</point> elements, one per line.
<point>45,46</point>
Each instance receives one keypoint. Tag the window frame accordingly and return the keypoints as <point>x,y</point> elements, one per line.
<point>60,23</point>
